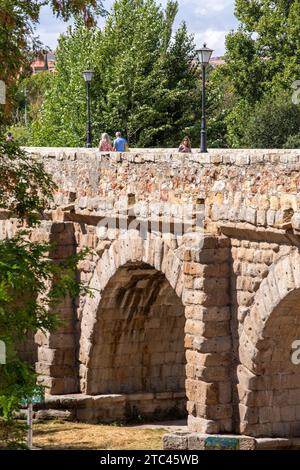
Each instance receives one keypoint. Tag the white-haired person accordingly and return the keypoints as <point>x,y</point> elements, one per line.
<point>105,144</point>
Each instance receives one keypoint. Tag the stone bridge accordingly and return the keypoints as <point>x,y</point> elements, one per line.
<point>194,266</point>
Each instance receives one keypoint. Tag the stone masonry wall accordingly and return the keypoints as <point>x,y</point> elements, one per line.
<point>256,187</point>
<point>219,236</point>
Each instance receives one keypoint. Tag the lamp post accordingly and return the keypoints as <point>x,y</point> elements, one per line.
<point>88,76</point>
<point>204,55</point>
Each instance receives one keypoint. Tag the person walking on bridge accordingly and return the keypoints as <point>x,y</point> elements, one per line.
<point>120,144</point>
<point>105,144</point>
<point>185,146</point>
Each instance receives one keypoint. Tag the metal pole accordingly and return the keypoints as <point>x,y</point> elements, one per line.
<point>89,125</point>
<point>29,424</point>
<point>203,146</point>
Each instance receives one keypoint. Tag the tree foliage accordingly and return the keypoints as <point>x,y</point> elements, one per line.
<point>262,64</point>
<point>31,284</point>
<point>144,83</point>
<point>273,121</point>
<point>25,187</point>
<point>18,42</point>
<point>264,53</point>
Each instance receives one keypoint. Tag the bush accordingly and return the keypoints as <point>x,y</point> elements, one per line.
<point>272,122</point>
<point>293,142</point>
<point>21,134</point>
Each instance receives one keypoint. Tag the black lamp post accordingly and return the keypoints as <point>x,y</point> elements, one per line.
<point>88,76</point>
<point>204,55</point>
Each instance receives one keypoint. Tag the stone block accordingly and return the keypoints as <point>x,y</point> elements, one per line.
<point>294,397</point>
<point>212,373</point>
<point>197,441</point>
<point>225,392</point>
<point>202,392</point>
<point>217,345</point>
<point>193,297</point>
<point>61,415</point>
<point>202,425</point>
<point>269,414</point>
<point>288,413</point>
<point>214,412</point>
<point>215,329</point>
<point>279,430</point>
<point>176,441</point>
<point>207,314</point>
<point>86,415</point>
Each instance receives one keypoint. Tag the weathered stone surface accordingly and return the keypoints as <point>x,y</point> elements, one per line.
<point>195,272</point>
<point>55,414</point>
<point>197,441</point>
<point>178,441</point>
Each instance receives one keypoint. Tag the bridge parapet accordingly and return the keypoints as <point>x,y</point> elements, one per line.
<point>258,188</point>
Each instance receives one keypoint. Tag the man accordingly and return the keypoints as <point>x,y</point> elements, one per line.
<point>120,144</point>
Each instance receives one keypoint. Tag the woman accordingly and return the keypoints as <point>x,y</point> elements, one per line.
<point>105,143</point>
<point>185,146</point>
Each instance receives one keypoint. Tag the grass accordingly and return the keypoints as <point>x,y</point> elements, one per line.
<point>69,435</point>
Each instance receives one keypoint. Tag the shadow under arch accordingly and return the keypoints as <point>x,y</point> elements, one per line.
<point>132,330</point>
<point>138,339</point>
<point>268,382</point>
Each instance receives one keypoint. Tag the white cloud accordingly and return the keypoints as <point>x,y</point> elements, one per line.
<point>204,7</point>
<point>208,21</point>
<point>215,39</point>
<point>50,28</point>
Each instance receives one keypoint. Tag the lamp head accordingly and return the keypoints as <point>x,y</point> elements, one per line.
<point>88,75</point>
<point>204,55</point>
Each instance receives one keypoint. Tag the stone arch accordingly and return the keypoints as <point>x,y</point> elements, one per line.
<point>154,258</point>
<point>268,382</point>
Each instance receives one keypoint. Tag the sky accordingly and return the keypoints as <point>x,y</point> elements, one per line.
<point>209,21</point>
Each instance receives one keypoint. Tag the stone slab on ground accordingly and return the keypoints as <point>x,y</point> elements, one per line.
<point>172,426</point>
<point>135,407</point>
<point>196,441</point>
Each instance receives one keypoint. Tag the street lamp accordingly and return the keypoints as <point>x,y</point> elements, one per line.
<point>88,76</point>
<point>204,55</point>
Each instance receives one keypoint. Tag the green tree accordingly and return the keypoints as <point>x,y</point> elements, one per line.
<point>18,43</point>
<point>264,53</point>
<point>28,97</point>
<point>31,285</point>
<point>272,122</point>
<point>262,62</point>
<point>144,83</point>
<point>293,142</point>
<point>61,118</point>
<point>221,99</point>
<point>236,120</point>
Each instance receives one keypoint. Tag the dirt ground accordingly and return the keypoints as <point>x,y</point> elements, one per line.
<point>69,435</point>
